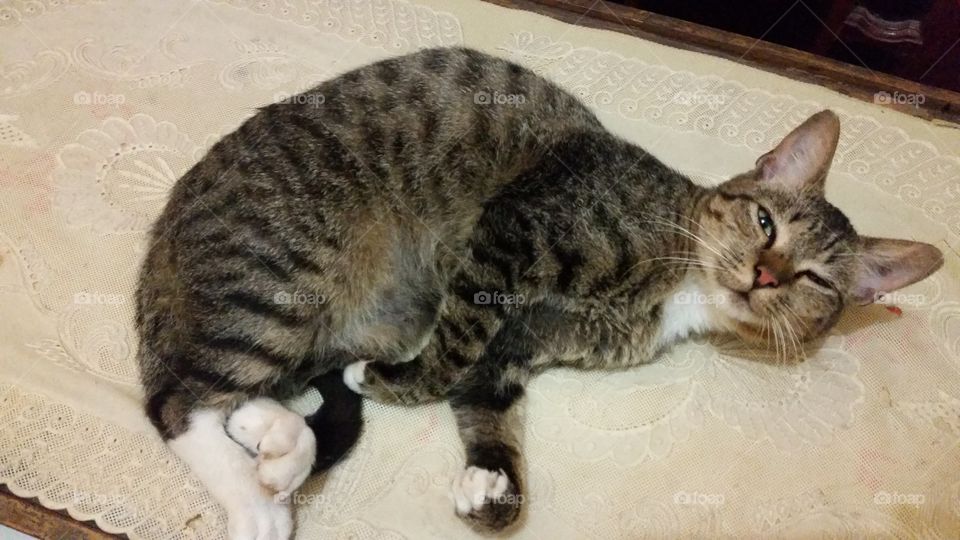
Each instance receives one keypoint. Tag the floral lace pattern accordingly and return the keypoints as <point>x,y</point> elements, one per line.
<point>859,438</point>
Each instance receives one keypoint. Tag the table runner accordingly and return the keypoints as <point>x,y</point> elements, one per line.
<point>104,104</point>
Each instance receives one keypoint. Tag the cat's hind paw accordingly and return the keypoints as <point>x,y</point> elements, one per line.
<point>487,500</point>
<point>284,445</point>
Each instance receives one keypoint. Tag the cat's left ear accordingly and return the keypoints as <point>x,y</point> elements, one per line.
<point>885,265</point>
<point>803,157</point>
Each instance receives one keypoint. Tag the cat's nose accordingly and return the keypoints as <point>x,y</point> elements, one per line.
<point>764,277</point>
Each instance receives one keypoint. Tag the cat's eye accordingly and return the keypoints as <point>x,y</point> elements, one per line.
<point>809,274</point>
<point>766,223</point>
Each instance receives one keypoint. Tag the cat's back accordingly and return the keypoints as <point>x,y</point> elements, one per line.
<point>359,166</point>
<point>432,126</point>
<point>441,115</point>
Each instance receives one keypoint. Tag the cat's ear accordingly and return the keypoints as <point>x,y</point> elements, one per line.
<point>803,157</point>
<point>885,265</point>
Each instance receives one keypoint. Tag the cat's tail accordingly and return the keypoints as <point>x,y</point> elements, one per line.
<point>338,423</point>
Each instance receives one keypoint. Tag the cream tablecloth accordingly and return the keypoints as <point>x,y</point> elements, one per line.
<point>103,104</point>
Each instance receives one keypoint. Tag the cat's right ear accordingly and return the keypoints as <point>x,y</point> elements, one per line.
<point>803,158</point>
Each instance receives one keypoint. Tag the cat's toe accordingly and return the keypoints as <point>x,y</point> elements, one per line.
<point>474,487</point>
<point>251,421</point>
<point>284,445</point>
<point>487,500</point>
<point>286,457</point>
<point>353,376</point>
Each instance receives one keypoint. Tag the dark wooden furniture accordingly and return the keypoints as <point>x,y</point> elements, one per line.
<point>853,80</point>
<point>917,40</point>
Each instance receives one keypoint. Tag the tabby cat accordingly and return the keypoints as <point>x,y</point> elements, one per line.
<point>443,226</point>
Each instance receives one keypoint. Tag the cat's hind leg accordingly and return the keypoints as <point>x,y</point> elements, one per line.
<point>283,443</point>
<point>230,475</point>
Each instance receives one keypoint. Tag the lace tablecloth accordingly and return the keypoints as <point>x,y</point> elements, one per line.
<point>104,104</point>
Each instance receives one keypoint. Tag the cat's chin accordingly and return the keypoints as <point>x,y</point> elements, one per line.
<point>742,317</point>
<point>735,306</point>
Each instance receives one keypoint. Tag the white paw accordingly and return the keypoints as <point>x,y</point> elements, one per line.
<point>260,517</point>
<point>230,475</point>
<point>474,487</point>
<point>353,376</point>
<point>285,447</point>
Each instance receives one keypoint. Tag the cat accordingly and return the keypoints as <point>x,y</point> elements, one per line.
<point>443,226</point>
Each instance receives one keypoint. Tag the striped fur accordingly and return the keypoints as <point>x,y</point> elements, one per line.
<point>402,215</point>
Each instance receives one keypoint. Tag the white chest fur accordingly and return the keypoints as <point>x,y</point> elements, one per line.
<point>689,310</point>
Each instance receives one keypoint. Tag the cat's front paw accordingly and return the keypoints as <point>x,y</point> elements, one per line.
<point>283,443</point>
<point>354,375</point>
<point>487,500</point>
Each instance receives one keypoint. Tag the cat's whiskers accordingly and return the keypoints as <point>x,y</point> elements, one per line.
<point>779,341</point>
<point>693,259</point>
<point>687,233</point>
<point>776,342</point>
<point>791,345</point>
<point>789,333</point>
<point>721,257</point>
<point>766,334</point>
<point>685,261</point>
<point>712,236</point>
<point>682,265</point>
<point>792,315</point>
<point>677,228</point>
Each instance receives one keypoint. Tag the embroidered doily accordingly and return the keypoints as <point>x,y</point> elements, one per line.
<point>101,113</point>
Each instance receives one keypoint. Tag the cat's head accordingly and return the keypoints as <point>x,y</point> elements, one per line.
<point>778,254</point>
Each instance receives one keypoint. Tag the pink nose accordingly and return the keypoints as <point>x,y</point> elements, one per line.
<point>765,277</point>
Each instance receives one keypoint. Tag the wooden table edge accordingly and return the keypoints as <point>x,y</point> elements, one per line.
<point>30,517</point>
<point>939,105</point>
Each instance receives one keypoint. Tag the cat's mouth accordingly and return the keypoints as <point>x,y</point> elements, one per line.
<point>748,305</point>
<point>739,306</point>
